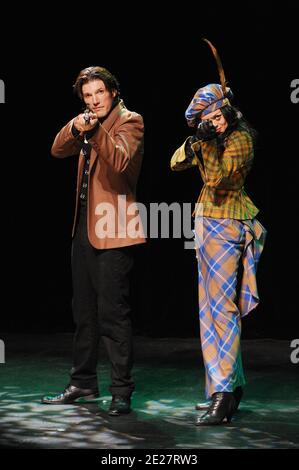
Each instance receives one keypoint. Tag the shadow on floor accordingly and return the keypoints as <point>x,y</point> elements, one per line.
<point>170,380</point>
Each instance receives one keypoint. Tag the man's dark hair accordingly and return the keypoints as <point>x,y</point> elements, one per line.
<point>96,73</point>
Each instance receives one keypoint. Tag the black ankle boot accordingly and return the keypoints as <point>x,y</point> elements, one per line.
<point>205,405</point>
<point>223,407</point>
<point>238,393</point>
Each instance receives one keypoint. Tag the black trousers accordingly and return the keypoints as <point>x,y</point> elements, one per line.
<point>101,308</point>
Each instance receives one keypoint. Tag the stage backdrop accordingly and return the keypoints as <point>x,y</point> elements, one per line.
<point>160,66</point>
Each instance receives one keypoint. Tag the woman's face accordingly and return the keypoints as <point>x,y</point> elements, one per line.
<point>217,119</point>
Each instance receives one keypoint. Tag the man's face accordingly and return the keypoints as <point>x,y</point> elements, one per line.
<point>97,98</point>
<point>217,119</point>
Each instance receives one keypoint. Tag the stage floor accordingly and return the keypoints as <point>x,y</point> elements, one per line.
<point>169,380</point>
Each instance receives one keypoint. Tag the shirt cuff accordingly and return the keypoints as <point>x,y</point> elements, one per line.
<point>75,131</point>
<point>89,134</point>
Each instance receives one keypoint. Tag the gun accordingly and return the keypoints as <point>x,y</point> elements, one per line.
<point>87,116</point>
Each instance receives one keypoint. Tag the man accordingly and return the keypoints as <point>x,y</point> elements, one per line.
<point>110,141</point>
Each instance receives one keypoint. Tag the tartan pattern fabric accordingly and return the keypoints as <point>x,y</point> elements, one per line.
<point>255,237</point>
<point>225,168</point>
<point>220,246</point>
<point>206,100</point>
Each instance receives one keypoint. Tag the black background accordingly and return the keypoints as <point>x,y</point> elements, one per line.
<point>160,62</point>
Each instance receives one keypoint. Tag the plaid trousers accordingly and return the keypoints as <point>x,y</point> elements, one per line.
<point>221,245</point>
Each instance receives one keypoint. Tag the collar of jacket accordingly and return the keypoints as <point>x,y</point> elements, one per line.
<point>117,111</point>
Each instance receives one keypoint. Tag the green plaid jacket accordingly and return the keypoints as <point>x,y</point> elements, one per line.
<point>223,170</point>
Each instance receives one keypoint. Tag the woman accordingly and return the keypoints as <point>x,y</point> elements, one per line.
<point>227,237</point>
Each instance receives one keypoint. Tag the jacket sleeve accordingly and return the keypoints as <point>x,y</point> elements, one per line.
<point>119,150</point>
<point>181,160</point>
<point>228,169</point>
<point>65,144</point>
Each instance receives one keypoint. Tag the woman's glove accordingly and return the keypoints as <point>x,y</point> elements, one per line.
<point>206,130</point>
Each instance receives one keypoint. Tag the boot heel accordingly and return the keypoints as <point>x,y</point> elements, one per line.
<point>238,393</point>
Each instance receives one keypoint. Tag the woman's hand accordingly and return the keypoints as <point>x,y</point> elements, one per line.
<point>206,130</point>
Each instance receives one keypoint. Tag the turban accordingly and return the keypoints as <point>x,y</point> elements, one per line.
<point>205,101</point>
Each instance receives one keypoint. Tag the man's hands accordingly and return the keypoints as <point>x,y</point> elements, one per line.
<point>81,125</point>
<point>206,131</point>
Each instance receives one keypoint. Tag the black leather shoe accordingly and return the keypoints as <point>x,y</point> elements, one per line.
<point>238,393</point>
<point>70,395</point>
<point>222,408</point>
<point>119,406</point>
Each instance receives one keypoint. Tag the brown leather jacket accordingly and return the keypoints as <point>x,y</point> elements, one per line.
<point>115,162</point>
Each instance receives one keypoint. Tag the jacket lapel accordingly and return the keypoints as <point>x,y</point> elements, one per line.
<point>107,125</point>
